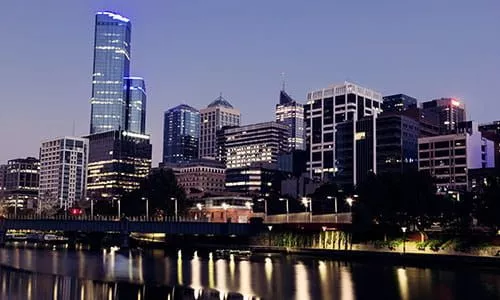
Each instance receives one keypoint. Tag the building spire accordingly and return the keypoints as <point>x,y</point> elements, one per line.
<point>283,82</point>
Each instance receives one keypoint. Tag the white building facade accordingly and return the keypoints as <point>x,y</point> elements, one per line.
<point>63,170</point>
<point>325,108</point>
<point>218,114</point>
<point>449,157</point>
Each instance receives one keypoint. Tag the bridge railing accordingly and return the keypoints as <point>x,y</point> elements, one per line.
<point>105,218</point>
<point>305,217</point>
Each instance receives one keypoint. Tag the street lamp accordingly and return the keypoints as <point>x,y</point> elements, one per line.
<point>175,199</point>
<point>200,208</point>
<point>270,227</point>
<point>287,210</point>
<point>335,199</point>
<point>307,201</point>
<point>265,205</point>
<point>248,204</point>
<point>225,206</point>
<point>404,238</point>
<point>147,206</point>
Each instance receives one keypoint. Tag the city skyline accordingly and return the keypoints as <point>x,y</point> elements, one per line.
<point>416,61</point>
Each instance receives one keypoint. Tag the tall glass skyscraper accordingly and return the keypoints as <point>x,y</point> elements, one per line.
<point>136,96</point>
<point>181,132</point>
<point>111,67</point>
<point>291,113</point>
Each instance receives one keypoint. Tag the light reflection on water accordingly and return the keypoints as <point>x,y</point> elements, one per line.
<point>187,275</point>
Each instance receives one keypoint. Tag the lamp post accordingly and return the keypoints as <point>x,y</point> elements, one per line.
<point>225,206</point>
<point>265,205</point>
<point>335,202</point>
<point>287,210</point>
<point>307,201</point>
<point>324,238</point>
<point>91,207</point>
<point>15,207</point>
<point>175,207</point>
<point>146,200</point>
<point>270,227</point>
<point>200,208</point>
<point>404,238</point>
<point>119,208</point>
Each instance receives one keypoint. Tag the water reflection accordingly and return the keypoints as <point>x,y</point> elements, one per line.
<point>65,274</point>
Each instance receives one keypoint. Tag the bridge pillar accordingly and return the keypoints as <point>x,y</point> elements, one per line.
<point>3,232</point>
<point>124,234</point>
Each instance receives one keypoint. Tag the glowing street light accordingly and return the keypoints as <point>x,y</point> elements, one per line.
<point>265,204</point>
<point>403,228</point>
<point>287,208</point>
<point>335,201</point>
<point>307,201</point>
<point>175,199</point>
<point>147,206</point>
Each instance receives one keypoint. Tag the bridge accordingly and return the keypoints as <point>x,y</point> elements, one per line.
<point>169,226</point>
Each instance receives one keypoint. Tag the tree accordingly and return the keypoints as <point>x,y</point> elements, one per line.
<point>159,188</point>
<point>487,203</point>
<point>48,204</point>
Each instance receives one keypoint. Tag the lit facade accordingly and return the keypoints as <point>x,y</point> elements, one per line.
<point>118,162</point>
<point>291,114</point>
<point>63,170</point>
<point>200,177</point>
<point>136,100</point>
<point>261,142</point>
<point>181,132</point>
<point>21,182</point>
<point>450,113</point>
<point>111,66</point>
<point>449,157</point>
<point>255,179</point>
<point>218,114</point>
<point>325,108</point>
<point>223,209</point>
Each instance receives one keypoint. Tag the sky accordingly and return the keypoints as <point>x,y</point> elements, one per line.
<point>189,51</point>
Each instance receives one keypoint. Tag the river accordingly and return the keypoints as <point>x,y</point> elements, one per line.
<point>28,273</point>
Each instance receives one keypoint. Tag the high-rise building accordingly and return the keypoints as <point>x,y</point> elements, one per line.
<point>119,149</point>
<point>111,67</point>
<point>491,131</point>
<point>63,170</point>
<point>118,162</point>
<point>21,182</point>
<point>291,113</point>
<point>136,96</point>
<point>259,178</point>
<point>449,157</point>
<point>181,132</point>
<point>261,142</point>
<point>449,111</point>
<point>3,174</point>
<point>398,103</point>
<point>218,114</point>
<point>325,108</point>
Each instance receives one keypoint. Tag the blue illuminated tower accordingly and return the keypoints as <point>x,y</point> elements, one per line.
<point>136,101</point>
<point>181,131</point>
<point>111,67</point>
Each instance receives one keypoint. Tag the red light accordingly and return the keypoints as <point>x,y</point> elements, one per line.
<point>76,211</point>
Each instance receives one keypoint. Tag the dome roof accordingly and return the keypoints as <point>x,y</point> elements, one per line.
<point>220,102</point>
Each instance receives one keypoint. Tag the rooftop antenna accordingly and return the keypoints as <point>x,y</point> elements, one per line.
<point>283,81</point>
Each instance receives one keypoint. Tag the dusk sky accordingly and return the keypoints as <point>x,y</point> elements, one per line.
<point>189,51</point>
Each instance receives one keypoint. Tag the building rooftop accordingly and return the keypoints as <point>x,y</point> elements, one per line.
<point>220,101</point>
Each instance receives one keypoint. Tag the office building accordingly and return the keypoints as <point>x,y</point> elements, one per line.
<point>199,177</point>
<point>397,143</point>
<point>118,162</point>
<point>261,142</point>
<point>111,68</point>
<point>291,114</point>
<point>137,97</point>
<point>450,112</point>
<point>255,179</point>
<point>181,132</point>
<point>491,131</point>
<point>3,174</point>
<point>325,108</point>
<point>398,103</point>
<point>428,120</point>
<point>63,170</point>
<point>215,116</point>
<point>449,157</point>
<point>21,182</point>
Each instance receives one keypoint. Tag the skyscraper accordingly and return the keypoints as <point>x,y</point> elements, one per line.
<point>21,182</point>
<point>119,149</point>
<point>111,67</point>
<point>136,99</point>
<point>291,114</point>
<point>398,103</point>
<point>218,114</point>
<point>63,170</point>
<point>325,108</point>
<point>181,132</point>
<point>449,111</point>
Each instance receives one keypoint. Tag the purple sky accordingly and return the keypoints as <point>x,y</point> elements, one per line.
<point>188,51</point>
